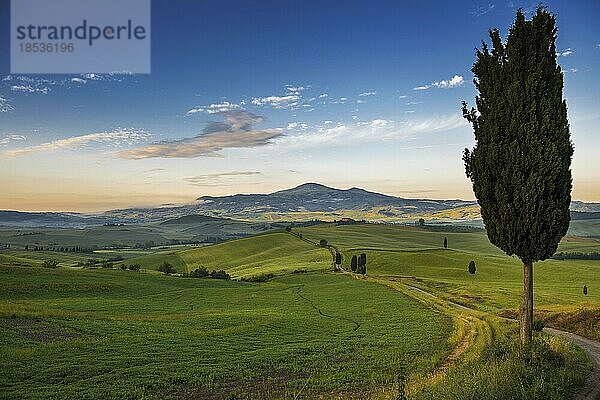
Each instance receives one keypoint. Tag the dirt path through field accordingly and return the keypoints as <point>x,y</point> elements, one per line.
<point>591,390</point>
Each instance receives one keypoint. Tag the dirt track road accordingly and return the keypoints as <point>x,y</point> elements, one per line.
<point>591,390</point>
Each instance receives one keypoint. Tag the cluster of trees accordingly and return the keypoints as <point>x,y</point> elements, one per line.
<point>359,264</point>
<point>63,249</point>
<point>576,256</point>
<point>166,268</point>
<point>202,272</point>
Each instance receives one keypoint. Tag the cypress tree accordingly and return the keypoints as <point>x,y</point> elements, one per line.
<point>445,242</point>
<point>472,268</point>
<point>362,263</point>
<point>585,290</point>
<point>354,263</point>
<point>520,165</point>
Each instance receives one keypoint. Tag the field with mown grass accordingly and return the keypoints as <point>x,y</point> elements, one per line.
<point>72,333</point>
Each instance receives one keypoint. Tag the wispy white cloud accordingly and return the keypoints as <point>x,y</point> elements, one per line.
<point>215,108</point>
<point>361,132</point>
<point>566,52</point>
<point>325,95</point>
<point>453,82</point>
<point>364,94</point>
<point>292,99</point>
<point>288,101</point>
<point>237,131</point>
<point>5,105</point>
<point>403,97</point>
<point>11,137</point>
<point>478,11</point>
<point>30,89</point>
<point>117,137</point>
<point>220,178</point>
<point>78,80</point>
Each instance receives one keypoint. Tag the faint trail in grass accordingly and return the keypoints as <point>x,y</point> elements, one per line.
<point>299,293</point>
<point>591,390</point>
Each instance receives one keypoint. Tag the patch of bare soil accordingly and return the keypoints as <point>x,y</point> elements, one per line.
<point>35,329</point>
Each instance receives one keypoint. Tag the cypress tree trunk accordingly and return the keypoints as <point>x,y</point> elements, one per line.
<point>526,311</point>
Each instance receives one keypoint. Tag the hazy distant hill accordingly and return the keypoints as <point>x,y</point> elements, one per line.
<point>311,197</point>
<point>289,204</point>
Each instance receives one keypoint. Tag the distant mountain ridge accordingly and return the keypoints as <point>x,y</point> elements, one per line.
<point>314,197</point>
<point>308,197</point>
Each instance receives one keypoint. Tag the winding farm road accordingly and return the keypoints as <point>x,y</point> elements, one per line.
<point>591,390</point>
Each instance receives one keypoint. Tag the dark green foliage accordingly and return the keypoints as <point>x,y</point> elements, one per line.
<point>323,243</point>
<point>421,222</point>
<point>288,228</point>
<point>201,272</point>
<point>50,264</point>
<point>362,264</point>
<point>585,290</point>
<point>259,278</point>
<point>576,256</point>
<point>338,258</point>
<point>166,268</point>
<point>123,267</point>
<point>135,267</point>
<point>472,267</point>
<point>299,271</point>
<point>354,263</point>
<point>219,275</point>
<point>539,325</point>
<point>445,242</point>
<point>520,166</point>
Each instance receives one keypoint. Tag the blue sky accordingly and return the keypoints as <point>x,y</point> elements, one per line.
<point>258,96</point>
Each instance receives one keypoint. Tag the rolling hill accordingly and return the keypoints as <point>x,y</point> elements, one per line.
<point>313,197</point>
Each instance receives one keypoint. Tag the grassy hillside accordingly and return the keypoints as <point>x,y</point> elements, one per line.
<point>276,253</point>
<point>417,256</point>
<point>119,334</point>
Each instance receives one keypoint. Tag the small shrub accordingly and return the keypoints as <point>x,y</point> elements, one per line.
<point>123,267</point>
<point>259,278</point>
<point>50,264</point>
<point>299,271</point>
<point>135,267</point>
<point>323,243</point>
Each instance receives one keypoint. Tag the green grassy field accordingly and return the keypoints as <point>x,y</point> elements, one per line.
<point>276,253</point>
<point>417,256</point>
<point>99,334</point>
<point>191,228</point>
